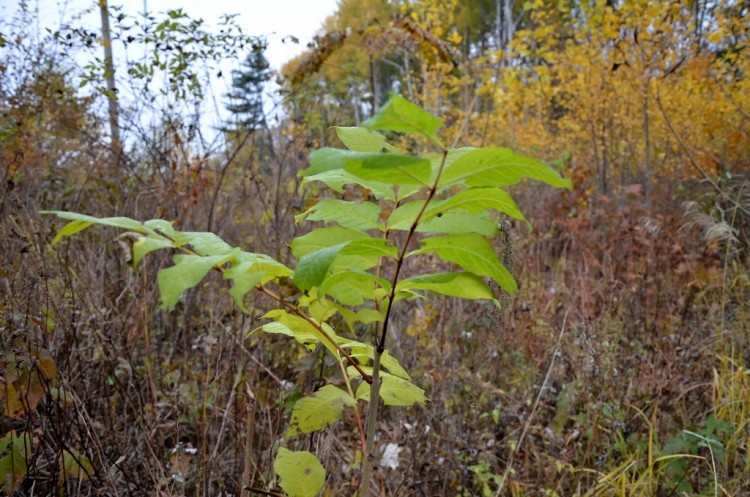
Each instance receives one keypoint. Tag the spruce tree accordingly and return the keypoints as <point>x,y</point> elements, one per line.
<point>246,95</point>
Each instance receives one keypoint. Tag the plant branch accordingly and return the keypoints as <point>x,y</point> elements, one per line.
<point>404,248</point>
<point>372,412</point>
<point>264,492</point>
<point>294,309</point>
<point>362,439</point>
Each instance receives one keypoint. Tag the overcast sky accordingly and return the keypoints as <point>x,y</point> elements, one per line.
<point>272,18</point>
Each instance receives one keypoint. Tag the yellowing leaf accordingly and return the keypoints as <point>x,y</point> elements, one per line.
<point>301,473</point>
<point>188,271</point>
<point>319,410</point>
<point>394,391</point>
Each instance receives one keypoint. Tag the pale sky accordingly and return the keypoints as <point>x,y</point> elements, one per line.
<point>273,18</point>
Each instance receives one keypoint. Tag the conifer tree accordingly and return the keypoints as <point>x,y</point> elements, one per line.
<point>246,95</point>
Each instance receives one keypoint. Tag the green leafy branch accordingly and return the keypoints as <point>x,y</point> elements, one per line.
<point>443,201</point>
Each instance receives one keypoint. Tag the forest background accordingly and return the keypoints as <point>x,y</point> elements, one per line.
<point>619,368</point>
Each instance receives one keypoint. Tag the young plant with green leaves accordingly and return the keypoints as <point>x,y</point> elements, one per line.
<point>437,205</point>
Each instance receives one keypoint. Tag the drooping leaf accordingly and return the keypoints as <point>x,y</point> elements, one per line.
<point>301,473</point>
<point>147,244</point>
<point>394,391</point>
<point>270,267</point>
<point>160,226</point>
<point>362,139</point>
<point>244,277</point>
<point>462,285</point>
<point>321,409</point>
<point>75,465</point>
<point>398,114</point>
<point>498,167</point>
<point>125,223</point>
<point>70,229</point>
<point>187,271</point>
<point>473,253</point>
<point>82,221</point>
<point>359,216</point>
<point>203,243</point>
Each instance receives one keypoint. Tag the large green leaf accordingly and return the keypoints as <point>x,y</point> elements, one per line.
<point>370,247</point>
<point>436,159</point>
<point>188,271</point>
<point>398,114</point>
<point>301,473</point>
<point>475,200</point>
<point>336,179</point>
<point>462,285</point>
<point>355,215</point>
<point>271,268</point>
<point>498,167</point>
<point>325,159</point>
<point>312,268</point>
<point>472,252</point>
<point>352,287</point>
<point>322,238</point>
<point>362,139</point>
<point>389,168</point>
<point>394,391</point>
<point>321,409</point>
<point>361,253</point>
<point>80,222</point>
<point>453,222</point>
<point>281,325</point>
<point>457,222</point>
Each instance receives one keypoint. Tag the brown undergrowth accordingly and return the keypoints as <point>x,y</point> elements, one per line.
<point>655,343</point>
